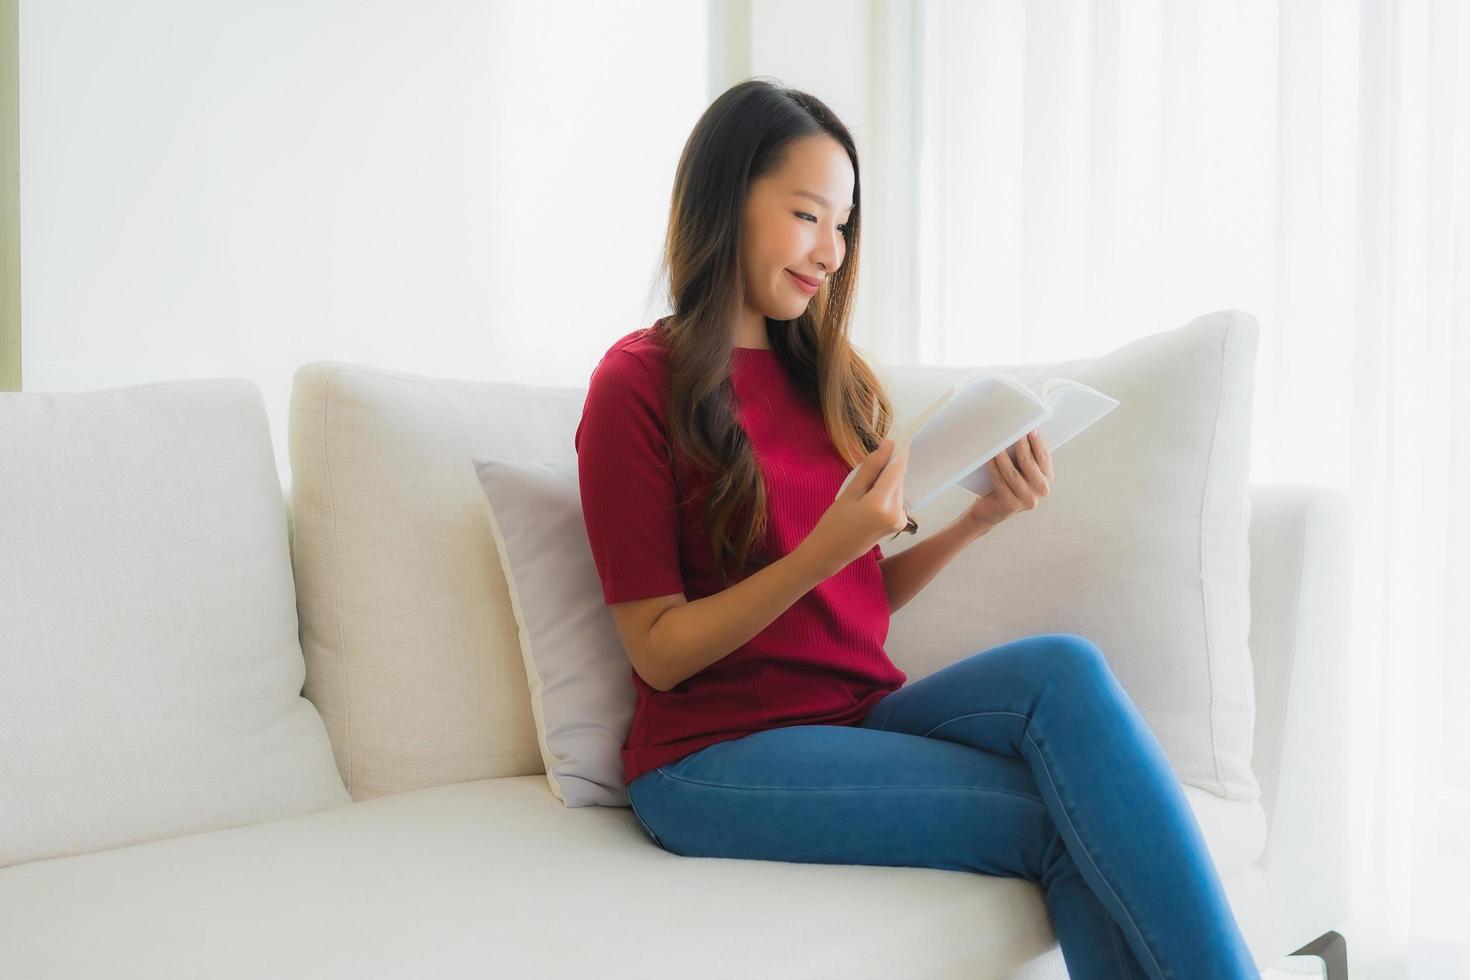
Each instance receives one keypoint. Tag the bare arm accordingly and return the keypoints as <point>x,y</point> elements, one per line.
<point>908,571</point>
<point>670,639</point>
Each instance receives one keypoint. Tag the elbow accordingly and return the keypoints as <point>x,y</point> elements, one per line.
<point>658,680</point>
<point>651,682</point>
<point>645,664</point>
<point>648,670</point>
<point>661,654</point>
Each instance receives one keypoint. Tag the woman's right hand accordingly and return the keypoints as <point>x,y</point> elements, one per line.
<point>868,510</point>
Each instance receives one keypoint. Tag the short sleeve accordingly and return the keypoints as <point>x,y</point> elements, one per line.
<point>626,481</point>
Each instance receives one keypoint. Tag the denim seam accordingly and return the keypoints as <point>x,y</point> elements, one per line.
<point>963,789</point>
<point>1113,934</point>
<point>1085,853</point>
<point>976,714</point>
<point>644,823</point>
<point>1026,731</point>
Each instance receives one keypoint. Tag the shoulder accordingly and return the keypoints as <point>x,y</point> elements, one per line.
<point>634,361</point>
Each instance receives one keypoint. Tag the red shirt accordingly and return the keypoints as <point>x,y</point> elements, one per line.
<point>821,662</point>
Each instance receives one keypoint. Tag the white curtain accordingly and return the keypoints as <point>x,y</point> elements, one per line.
<point>1096,170</point>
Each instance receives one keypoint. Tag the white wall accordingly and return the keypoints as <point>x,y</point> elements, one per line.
<point>461,189</point>
<point>856,58</point>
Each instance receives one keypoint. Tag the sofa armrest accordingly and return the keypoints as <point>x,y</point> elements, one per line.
<point>1300,543</point>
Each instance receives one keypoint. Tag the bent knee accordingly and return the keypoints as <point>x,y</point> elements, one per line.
<point>1072,653</point>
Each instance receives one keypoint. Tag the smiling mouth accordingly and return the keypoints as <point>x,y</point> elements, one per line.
<point>802,284</point>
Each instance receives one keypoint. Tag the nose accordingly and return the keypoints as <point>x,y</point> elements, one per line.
<point>829,251</point>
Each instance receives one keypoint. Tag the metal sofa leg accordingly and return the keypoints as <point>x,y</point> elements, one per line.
<point>1332,949</point>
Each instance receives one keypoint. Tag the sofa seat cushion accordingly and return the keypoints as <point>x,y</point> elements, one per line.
<point>493,877</point>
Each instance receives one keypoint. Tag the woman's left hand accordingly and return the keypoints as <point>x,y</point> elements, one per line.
<point>1016,489</point>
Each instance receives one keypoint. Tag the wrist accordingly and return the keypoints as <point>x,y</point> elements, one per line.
<point>975,525</point>
<point>811,566</point>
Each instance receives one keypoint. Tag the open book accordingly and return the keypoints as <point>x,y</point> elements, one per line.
<point>980,417</point>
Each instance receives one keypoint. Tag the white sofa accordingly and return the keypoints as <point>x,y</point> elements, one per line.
<point>174,806</point>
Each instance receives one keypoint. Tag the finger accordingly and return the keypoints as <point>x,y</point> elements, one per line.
<point>1024,460</point>
<point>870,468</point>
<point>1030,467</point>
<point>1003,481</point>
<point>895,501</point>
<point>1023,490</point>
<point>890,481</point>
<point>1024,495</point>
<point>1042,454</point>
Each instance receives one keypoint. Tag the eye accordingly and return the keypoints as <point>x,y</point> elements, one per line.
<point>803,214</point>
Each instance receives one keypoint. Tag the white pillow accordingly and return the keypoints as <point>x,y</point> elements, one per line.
<point>150,667</point>
<point>582,693</point>
<point>1142,547</point>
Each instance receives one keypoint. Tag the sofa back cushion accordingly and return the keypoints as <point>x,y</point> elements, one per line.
<point>1142,544</point>
<point>411,644</point>
<point>150,672</point>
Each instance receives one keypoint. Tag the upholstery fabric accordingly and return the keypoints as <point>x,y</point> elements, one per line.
<point>151,676</point>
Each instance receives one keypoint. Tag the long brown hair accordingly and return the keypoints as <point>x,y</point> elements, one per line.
<point>741,136</point>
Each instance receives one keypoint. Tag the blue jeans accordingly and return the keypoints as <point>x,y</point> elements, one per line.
<point>1027,760</point>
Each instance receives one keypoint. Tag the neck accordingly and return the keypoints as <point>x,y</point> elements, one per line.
<point>751,330</point>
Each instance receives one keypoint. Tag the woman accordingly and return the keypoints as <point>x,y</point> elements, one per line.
<point>770,723</point>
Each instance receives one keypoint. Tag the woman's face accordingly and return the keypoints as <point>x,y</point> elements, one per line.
<point>788,232</point>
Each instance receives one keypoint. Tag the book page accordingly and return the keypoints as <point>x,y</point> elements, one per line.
<point>971,428</point>
<point>904,437</point>
<point>972,422</point>
<point>1071,408</point>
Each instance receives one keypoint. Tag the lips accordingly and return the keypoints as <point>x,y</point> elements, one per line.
<point>806,279</point>
<point>801,283</point>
